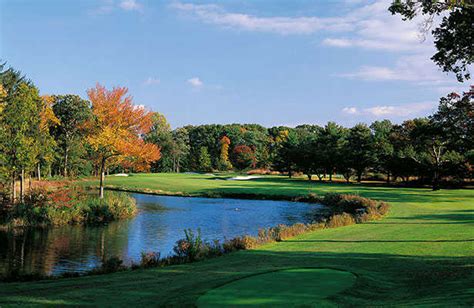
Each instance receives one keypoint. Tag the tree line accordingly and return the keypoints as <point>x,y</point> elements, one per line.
<point>428,150</point>
<point>66,135</point>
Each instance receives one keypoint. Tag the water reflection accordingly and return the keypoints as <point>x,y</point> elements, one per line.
<point>158,225</point>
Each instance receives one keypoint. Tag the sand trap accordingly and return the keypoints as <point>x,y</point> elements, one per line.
<point>121,174</point>
<point>244,178</point>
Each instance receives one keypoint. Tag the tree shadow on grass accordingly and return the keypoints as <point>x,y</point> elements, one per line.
<point>284,186</point>
<point>380,241</point>
<point>447,218</point>
<point>383,279</point>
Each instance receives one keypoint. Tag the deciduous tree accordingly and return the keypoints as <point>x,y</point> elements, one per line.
<point>117,128</point>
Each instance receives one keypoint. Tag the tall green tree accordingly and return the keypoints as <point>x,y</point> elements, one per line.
<point>286,159</point>
<point>204,160</point>
<point>19,120</point>
<point>383,148</point>
<point>161,134</point>
<point>180,151</point>
<point>332,138</point>
<point>361,154</point>
<point>73,112</point>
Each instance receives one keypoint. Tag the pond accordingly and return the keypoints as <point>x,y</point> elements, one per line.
<point>160,222</point>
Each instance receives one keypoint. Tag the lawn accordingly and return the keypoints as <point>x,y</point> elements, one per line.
<point>422,253</point>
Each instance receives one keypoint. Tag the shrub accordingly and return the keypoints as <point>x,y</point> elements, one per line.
<point>285,232</point>
<point>190,247</point>
<point>214,249</point>
<point>150,259</point>
<point>260,171</point>
<point>110,265</point>
<point>340,220</point>
<point>239,243</point>
<point>115,205</point>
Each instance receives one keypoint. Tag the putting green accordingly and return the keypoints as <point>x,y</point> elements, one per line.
<point>289,287</point>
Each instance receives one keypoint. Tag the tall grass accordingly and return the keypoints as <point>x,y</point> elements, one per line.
<point>67,206</point>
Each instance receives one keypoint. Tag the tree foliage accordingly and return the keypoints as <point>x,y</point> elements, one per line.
<point>453,37</point>
<point>117,129</point>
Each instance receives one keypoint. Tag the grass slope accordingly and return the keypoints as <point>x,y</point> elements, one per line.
<point>421,254</point>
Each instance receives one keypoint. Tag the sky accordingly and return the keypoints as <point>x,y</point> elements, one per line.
<point>200,62</point>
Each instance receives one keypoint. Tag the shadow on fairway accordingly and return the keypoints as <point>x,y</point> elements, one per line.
<point>286,186</point>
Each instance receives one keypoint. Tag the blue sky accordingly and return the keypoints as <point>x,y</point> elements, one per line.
<point>267,62</point>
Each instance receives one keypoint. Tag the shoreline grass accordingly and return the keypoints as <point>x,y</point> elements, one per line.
<point>42,208</point>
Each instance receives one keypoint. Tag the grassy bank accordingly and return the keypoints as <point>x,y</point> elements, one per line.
<point>421,254</point>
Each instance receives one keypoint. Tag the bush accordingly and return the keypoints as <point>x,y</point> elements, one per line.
<point>239,243</point>
<point>114,206</point>
<point>110,265</point>
<point>150,259</point>
<point>67,206</point>
<point>190,247</point>
<point>340,220</point>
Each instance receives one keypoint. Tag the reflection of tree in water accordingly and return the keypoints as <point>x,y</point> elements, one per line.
<point>67,248</point>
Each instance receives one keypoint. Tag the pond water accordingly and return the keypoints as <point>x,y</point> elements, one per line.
<point>158,225</point>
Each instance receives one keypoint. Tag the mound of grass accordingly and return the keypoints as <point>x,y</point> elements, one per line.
<point>290,287</point>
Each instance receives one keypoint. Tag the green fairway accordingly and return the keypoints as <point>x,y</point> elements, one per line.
<point>422,253</point>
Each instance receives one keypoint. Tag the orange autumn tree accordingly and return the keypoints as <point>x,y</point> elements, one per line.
<point>224,163</point>
<point>117,129</point>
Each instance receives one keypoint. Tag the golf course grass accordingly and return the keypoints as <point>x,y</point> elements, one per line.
<point>422,253</point>
<point>277,289</point>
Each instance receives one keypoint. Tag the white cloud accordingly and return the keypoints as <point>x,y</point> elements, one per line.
<point>417,69</point>
<point>152,81</point>
<point>195,82</point>
<point>350,110</point>
<point>130,5</point>
<point>369,25</point>
<point>108,6</point>
<point>214,14</point>
<point>392,111</point>
<point>374,73</point>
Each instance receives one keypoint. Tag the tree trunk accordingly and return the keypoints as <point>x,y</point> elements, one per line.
<point>359,177</point>
<point>65,162</point>
<point>102,178</point>
<point>436,180</point>
<point>388,177</point>
<point>13,187</point>
<point>320,177</point>
<point>38,171</point>
<point>310,176</point>
<point>22,185</point>
<point>30,184</point>
<point>347,177</point>
<point>330,177</point>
